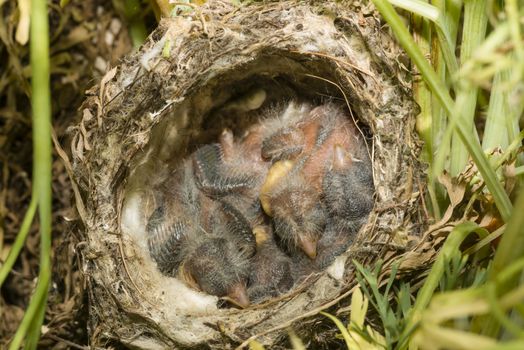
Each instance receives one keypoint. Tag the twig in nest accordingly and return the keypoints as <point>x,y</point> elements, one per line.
<point>293,320</point>
<point>80,207</point>
<point>339,61</point>
<point>200,15</point>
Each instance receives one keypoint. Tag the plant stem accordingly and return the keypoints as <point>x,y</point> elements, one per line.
<point>452,244</point>
<point>20,239</point>
<point>42,164</point>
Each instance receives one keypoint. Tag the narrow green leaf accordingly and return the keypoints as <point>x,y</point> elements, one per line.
<point>473,33</point>
<point>255,345</point>
<point>510,249</point>
<point>19,241</point>
<point>42,163</point>
<point>455,238</point>
<point>472,144</point>
<point>341,327</point>
<point>432,13</point>
<point>496,131</point>
<point>296,342</point>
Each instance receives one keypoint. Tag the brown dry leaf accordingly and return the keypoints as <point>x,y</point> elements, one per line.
<point>414,259</point>
<point>77,147</point>
<point>80,207</point>
<point>490,219</point>
<point>107,77</point>
<point>511,177</point>
<point>76,35</point>
<point>455,188</point>
<point>86,116</point>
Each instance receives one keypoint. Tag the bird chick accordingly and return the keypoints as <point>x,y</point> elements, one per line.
<point>348,194</point>
<point>207,244</point>
<point>306,144</point>
<point>291,195</point>
<point>233,171</point>
<point>348,188</point>
<point>271,272</point>
<point>298,215</point>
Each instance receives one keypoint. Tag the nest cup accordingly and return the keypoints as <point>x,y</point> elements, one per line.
<point>201,72</point>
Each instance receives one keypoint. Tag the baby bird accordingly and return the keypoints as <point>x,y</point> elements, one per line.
<point>233,172</point>
<point>348,188</point>
<point>271,272</point>
<point>348,194</point>
<point>207,244</point>
<point>298,215</point>
<point>321,169</point>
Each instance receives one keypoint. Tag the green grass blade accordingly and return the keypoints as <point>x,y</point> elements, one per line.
<point>452,244</point>
<point>473,33</point>
<point>340,326</point>
<point>132,12</point>
<point>20,239</point>
<point>426,121</point>
<point>510,249</point>
<point>42,163</point>
<point>296,342</point>
<point>486,51</point>
<point>32,313</point>
<point>439,90</point>
<point>512,11</point>
<point>453,14</point>
<point>496,131</point>
<point>418,7</point>
<point>432,13</point>
<point>33,333</point>
<point>511,345</point>
<point>137,27</point>
<point>255,345</point>
<point>420,89</point>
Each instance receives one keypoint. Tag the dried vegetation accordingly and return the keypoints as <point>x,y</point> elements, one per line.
<point>86,38</point>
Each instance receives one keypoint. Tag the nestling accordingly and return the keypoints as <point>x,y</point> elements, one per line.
<point>206,243</point>
<point>271,272</point>
<point>321,174</point>
<point>233,172</point>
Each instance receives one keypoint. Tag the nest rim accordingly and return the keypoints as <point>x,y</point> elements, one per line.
<point>101,220</point>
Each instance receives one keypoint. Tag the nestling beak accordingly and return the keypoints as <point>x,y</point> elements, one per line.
<point>275,174</point>
<point>238,295</point>
<point>261,234</point>
<point>308,246</point>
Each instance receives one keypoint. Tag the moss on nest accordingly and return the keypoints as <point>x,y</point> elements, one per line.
<point>174,94</point>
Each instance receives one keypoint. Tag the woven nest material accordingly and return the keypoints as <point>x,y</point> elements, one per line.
<point>172,95</point>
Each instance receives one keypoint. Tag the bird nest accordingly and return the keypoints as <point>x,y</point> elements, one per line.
<point>197,74</point>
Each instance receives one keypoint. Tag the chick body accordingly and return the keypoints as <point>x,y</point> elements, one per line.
<point>234,173</point>
<point>206,243</point>
<point>322,188</point>
<point>272,271</point>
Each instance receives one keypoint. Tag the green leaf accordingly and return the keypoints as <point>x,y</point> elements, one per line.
<point>341,327</point>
